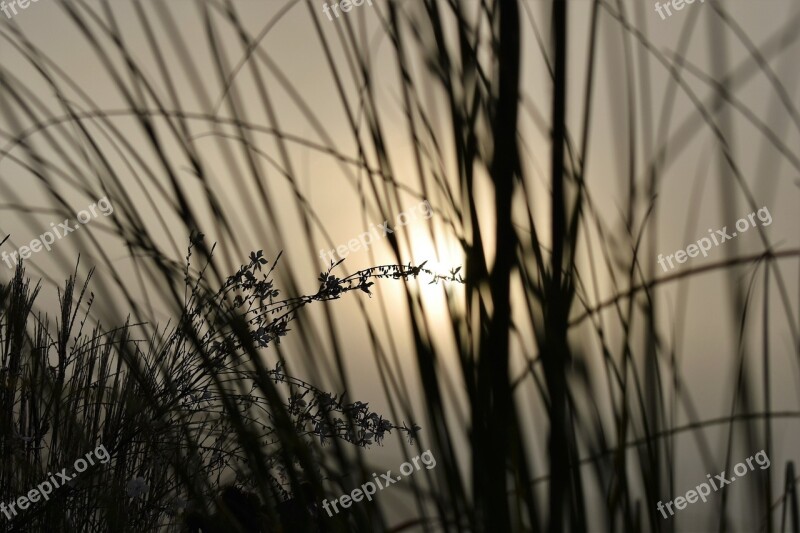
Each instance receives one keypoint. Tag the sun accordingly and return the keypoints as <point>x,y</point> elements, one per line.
<point>441,257</point>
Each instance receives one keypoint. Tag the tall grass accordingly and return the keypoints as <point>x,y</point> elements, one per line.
<point>565,401</point>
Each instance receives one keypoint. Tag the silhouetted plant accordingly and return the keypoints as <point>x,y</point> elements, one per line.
<point>163,410</point>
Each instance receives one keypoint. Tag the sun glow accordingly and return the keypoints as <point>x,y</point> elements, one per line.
<point>441,258</point>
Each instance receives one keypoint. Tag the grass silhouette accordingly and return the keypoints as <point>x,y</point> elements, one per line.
<point>566,396</point>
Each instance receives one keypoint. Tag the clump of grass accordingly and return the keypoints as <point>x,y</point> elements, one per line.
<point>175,410</point>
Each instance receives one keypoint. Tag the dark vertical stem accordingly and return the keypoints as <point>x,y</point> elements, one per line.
<point>555,305</point>
<point>790,500</point>
<point>767,502</point>
<point>495,345</point>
